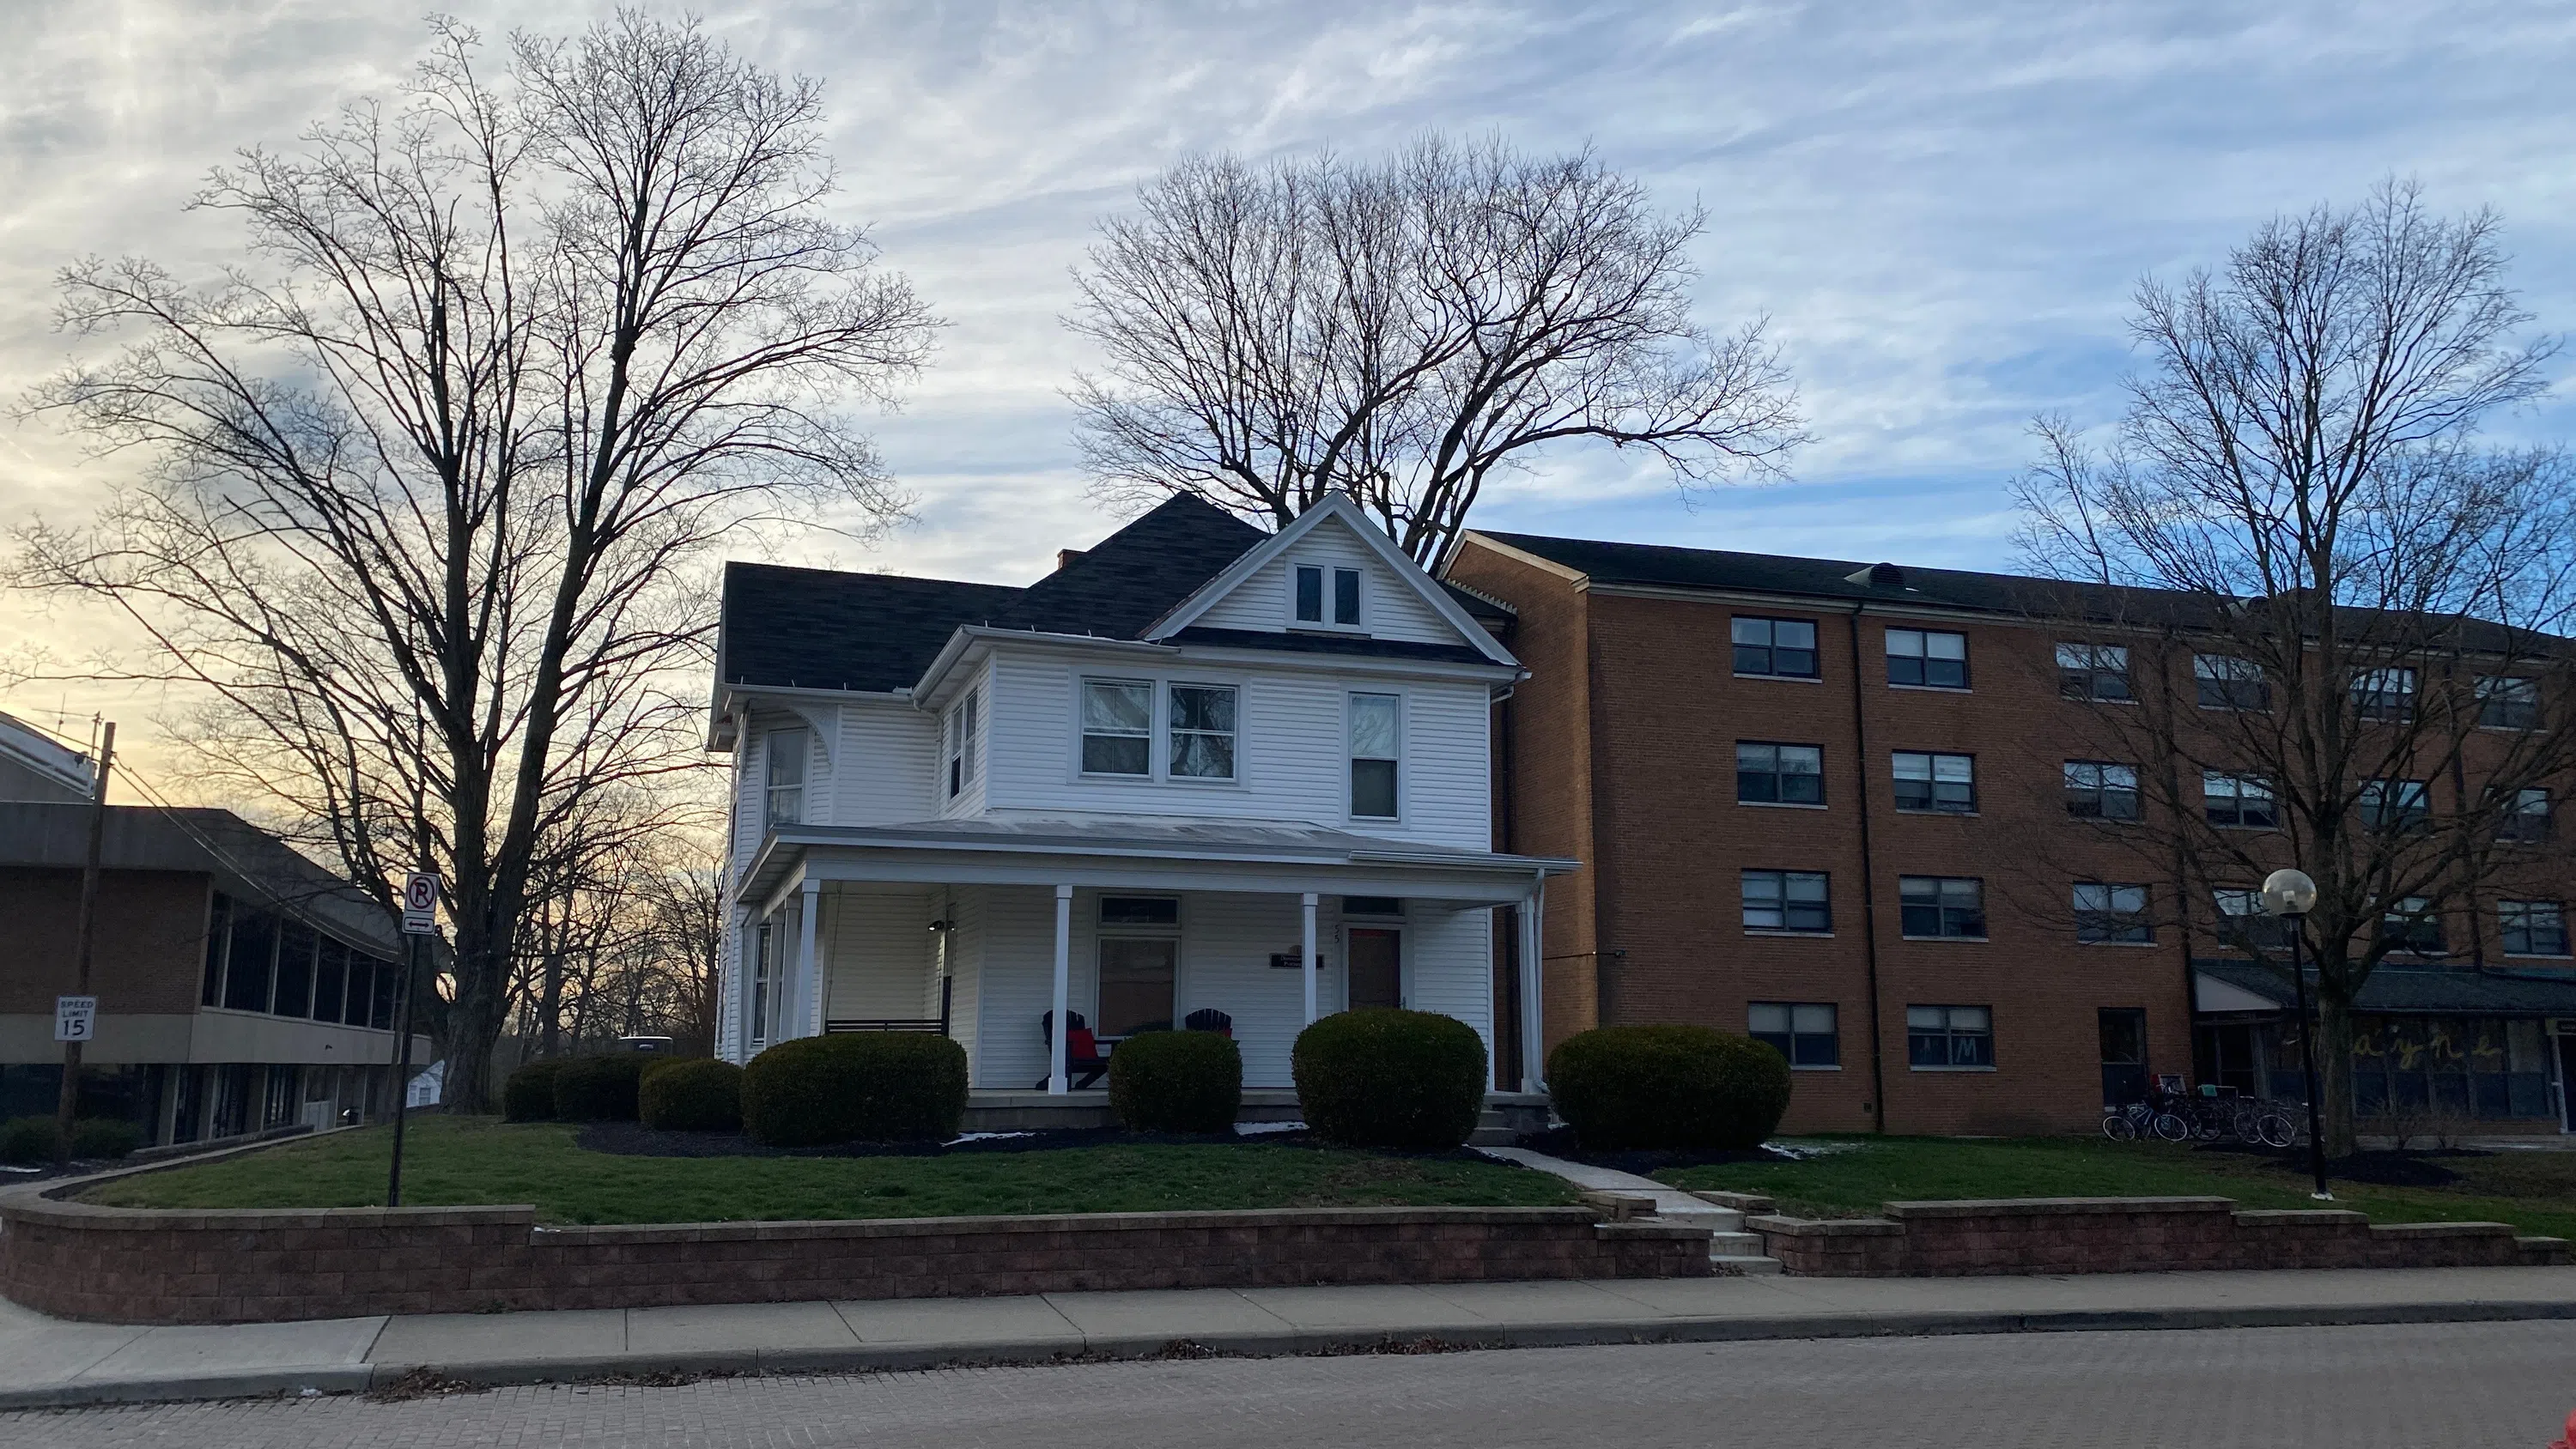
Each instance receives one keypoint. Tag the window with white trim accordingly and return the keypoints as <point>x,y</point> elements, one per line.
<point>1314,586</point>
<point>783,778</point>
<point>1202,729</point>
<point>1117,727</point>
<point>1377,753</point>
<point>959,751</point>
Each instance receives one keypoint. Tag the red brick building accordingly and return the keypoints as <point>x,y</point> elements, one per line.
<point>1829,804</point>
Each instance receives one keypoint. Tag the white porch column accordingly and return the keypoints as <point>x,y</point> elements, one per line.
<point>809,985</point>
<point>1307,961</point>
<point>1057,1082</point>
<point>1533,1015</point>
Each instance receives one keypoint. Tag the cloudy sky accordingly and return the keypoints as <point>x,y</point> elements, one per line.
<point>1941,206</point>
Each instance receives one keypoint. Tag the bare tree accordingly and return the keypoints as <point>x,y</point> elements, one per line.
<point>438,482</point>
<point>2350,659</point>
<point>1398,331</point>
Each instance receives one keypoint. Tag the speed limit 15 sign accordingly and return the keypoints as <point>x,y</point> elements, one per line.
<point>420,904</point>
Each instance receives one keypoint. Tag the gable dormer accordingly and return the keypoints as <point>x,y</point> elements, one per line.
<point>1335,577</point>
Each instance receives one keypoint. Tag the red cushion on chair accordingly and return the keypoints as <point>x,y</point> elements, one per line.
<point>1080,1045</point>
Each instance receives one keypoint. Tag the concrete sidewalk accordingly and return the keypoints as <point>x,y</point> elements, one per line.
<point>46,1361</point>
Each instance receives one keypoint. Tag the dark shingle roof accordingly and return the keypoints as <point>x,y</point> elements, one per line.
<point>2441,991</point>
<point>1119,586</point>
<point>821,629</point>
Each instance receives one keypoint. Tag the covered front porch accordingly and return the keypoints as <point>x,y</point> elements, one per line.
<point>990,932</point>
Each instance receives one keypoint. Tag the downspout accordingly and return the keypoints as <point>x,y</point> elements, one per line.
<point>1868,886</point>
<point>1513,947</point>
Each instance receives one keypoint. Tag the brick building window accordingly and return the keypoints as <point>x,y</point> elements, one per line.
<point>1784,648</point>
<point>2242,801</point>
<point>2243,923</point>
<point>2533,928</point>
<point>1928,658</point>
<point>1787,900</point>
<point>1938,1037</point>
<point>1935,907</point>
<point>1802,1031</point>
<point>2096,790</point>
<point>2384,693</point>
<point>2093,671</point>
<point>2226,682</point>
<point>1771,774</point>
<point>2527,819</point>
<point>2412,925</point>
<point>2395,804</point>
<point>2112,915</point>
<point>1943,784</point>
<point>2506,703</point>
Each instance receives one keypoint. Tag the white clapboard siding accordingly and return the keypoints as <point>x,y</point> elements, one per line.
<point>878,954</point>
<point>889,767</point>
<point>1291,749</point>
<point>1013,947</point>
<point>1389,607</point>
<point>965,910</point>
<point>1448,966</point>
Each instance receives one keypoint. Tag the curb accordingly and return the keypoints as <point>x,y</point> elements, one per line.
<point>1102,1348</point>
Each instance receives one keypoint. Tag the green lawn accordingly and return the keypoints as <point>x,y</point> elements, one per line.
<point>449,1162</point>
<point>2534,1191</point>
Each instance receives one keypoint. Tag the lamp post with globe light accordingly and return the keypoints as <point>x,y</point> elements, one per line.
<point>2290,895</point>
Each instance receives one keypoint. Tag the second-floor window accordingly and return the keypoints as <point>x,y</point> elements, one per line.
<point>960,748</point>
<point>2242,801</point>
<point>2395,804</point>
<point>1944,784</point>
<point>1769,774</point>
<point>1117,727</point>
<point>1377,735</point>
<point>2097,790</point>
<point>784,778</point>
<point>2507,703</point>
<point>2093,671</point>
<point>2107,914</point>
<point>1202,731</point>
<point>2385,694</point>
<point>2226,682</point>
<point>1927,657</point>
<point>1787,900</point>
<point>1784,648</point>
<point>2533,928</point>
<point>1317,585</point>
<point>2243,922</point>
<point>1935,907</point>
<point>2527,820</point>
<point>2412,925</point>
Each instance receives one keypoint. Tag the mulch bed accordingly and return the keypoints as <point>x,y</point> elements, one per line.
<point>1559,1142</point>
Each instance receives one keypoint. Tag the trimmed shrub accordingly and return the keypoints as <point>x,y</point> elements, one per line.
<point>105,1137</point>
<point>874,1086</point>
<point>599,1089</point>
<point>691,1094</point>
<point>1176,1081</point>
<point>529,1094</point>
<point>1625,1088</point>
<point>1380,1077</point>
<point>28,1141</point>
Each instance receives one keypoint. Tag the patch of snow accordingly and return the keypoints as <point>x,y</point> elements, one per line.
<point>1789,1147</point>
<point>983,1137</point>
<point>1256,1129</point>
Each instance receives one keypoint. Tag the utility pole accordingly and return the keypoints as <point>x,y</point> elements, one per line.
<point>81,1008</point>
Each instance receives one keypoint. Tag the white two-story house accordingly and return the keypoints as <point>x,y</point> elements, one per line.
<point>1199,775</point>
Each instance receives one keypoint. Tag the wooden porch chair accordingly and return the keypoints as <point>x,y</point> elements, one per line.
<point>1083,1063</point>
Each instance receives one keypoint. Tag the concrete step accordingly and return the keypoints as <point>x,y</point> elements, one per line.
<point>1490,1136</point>
<point>1722,1245</point>
<point>1753,1267</point>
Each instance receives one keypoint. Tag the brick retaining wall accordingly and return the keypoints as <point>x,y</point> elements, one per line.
<point>76,1260</point>
<point>2127,1235</point>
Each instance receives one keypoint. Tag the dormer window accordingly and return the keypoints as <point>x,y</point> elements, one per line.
<point>1312,580</point>
<point>785,780</point>
<point>959,752</point>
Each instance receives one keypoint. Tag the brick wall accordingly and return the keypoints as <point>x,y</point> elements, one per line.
<point>75,1260</point>
<point>2127,1235</point>
<point>151,948</point>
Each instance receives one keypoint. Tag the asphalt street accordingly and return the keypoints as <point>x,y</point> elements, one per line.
<point>2447,1386</point>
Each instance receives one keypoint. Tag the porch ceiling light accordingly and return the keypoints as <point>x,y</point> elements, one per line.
<point>2288,893</point>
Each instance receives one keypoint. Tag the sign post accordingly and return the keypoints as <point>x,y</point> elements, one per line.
<point>419,919</point>
<point>67,1101</point>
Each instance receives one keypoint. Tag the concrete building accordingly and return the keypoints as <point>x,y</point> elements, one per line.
<point>240,986</point>
<point>1845,808</point>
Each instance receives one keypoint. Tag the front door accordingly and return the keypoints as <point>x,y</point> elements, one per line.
<point>2124,1055</point>
<point>1136,977</point>
<point>1377,967</point>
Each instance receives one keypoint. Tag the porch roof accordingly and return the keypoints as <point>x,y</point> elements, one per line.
<point>1128,851</point>
<point>2403,991</point>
